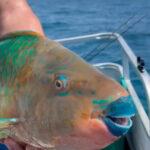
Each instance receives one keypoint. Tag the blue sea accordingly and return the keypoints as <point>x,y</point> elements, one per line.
<point>68,18</point>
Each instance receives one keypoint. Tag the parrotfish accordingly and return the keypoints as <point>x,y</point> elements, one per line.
<point>50,98</point>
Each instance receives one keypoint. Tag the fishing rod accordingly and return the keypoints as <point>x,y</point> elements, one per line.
<point>100,48</point>
<point>116,30</point>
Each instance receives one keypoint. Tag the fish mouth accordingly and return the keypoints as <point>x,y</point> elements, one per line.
<point>118,126</point>
<point>119,121</point>
<point>118,116</point>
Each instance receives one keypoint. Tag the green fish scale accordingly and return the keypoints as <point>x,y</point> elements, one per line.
<point>14,52</point>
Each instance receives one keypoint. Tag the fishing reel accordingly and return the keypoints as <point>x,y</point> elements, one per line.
<point>140,64</point>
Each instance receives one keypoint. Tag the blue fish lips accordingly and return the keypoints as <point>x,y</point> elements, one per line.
<point>118,116</point>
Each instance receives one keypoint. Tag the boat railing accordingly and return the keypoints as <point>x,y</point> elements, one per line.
<point>128,57</point>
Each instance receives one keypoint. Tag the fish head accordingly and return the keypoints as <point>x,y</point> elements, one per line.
<point>67,101</point>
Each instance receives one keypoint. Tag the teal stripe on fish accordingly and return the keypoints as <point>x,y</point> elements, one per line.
<point>99,102</point>
<point>123,82</point>
<point>8,120</point>
<point>102,103</point>
<point>62,94</point>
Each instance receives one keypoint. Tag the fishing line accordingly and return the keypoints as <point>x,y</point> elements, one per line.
<point>100,48</point>
<point>116,30</point>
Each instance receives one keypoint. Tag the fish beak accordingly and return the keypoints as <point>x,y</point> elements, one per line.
<point>118,116</point>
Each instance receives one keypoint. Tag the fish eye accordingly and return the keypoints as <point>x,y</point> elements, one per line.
<point>59,84</point>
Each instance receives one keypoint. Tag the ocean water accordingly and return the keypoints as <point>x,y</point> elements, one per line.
<point>67,18</point>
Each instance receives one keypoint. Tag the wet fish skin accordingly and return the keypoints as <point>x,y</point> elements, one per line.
<point>52,117</point>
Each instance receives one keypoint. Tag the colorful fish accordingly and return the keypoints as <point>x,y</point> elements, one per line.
<point>51,98</point>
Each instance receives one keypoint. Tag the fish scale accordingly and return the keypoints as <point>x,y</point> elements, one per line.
<point>14,53</point>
